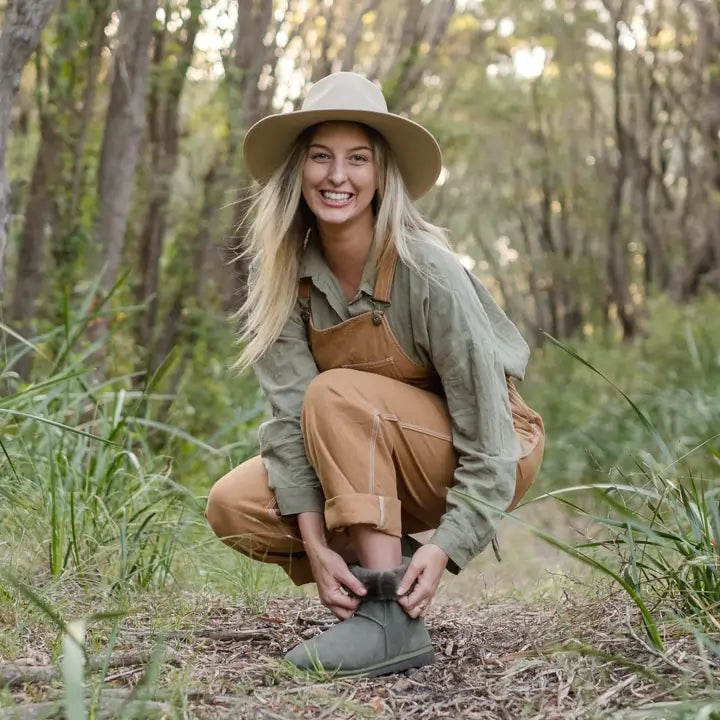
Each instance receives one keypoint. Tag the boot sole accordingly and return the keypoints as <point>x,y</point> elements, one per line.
<point>424,656</point>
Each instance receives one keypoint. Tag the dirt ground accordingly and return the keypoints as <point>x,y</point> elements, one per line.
<point>506,661</point>
<point>525,638</point>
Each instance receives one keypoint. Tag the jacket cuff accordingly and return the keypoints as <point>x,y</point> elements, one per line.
<point>294,500</point>
<point>454,544</point>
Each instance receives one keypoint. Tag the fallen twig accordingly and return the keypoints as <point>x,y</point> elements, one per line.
<point>11,674</point>
<point>605,698</point>
<point>205,633</point>
<point>109,706</point>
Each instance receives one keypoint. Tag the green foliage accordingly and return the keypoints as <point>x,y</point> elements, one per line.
<point>78,486</point>
<point>672,373</point>
<point>653,515</point>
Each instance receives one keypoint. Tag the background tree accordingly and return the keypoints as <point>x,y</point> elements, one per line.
<point>21,29</point>
<point>580,148</point>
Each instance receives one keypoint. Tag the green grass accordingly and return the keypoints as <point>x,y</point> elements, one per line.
<point>102,493</point>
<point>671,372</point>
<point>103,478</point>
<point>648,485</point>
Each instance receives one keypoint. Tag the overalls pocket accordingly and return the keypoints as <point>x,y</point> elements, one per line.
<point>385,367</point>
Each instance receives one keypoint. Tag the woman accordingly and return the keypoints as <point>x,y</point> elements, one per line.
<point>388,368</point>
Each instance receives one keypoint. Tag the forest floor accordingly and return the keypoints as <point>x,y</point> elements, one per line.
<point>531,637</point>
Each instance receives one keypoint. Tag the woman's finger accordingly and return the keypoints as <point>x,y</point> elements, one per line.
<point>410,576</point>
<point>343,605</point>
<point>420,592</point>
<point>352,583</point>
<point>341,599</point>
<point>341,613</point>
<point>419,599</point>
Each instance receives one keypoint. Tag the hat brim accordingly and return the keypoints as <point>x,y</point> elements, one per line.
<point>416,151</point>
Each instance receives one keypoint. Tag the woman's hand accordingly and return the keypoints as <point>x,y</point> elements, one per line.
<point>332,576</point>
<point>426,567</point>
<point>330,571</point>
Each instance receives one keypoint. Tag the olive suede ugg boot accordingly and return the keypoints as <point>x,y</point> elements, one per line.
<point>380,638</point>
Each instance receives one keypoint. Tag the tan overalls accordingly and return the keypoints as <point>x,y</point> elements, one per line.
<point>378,433</point>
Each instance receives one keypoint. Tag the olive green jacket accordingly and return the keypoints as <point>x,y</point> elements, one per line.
<point>441,315</point>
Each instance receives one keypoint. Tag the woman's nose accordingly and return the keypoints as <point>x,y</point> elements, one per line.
<point>337,173</point>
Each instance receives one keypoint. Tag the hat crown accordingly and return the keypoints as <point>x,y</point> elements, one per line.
<point>345,91</point>
<point>345,97</point>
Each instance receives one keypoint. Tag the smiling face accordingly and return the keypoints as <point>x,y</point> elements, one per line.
<point>340,177</point>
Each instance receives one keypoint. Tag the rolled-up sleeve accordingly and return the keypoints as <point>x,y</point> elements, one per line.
<point>284,373</point>
<point>462,347</point>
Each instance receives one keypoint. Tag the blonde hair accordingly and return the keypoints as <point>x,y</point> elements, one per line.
<point>280,222</point>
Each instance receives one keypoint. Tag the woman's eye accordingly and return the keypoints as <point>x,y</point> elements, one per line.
<point>319,156</point>
<point>359,158</point>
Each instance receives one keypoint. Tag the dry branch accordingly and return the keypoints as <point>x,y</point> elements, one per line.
<point>11,674</point>
<point>109,708</point>
<point>205,633</point>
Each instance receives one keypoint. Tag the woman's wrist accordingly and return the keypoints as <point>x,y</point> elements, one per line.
<point>312,531</point>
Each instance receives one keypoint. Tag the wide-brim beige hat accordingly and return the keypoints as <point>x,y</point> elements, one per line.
<point>350,97</point>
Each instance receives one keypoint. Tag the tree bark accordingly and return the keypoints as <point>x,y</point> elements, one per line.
<point>248,103</point>
<point>41,210</point>
<point>617,271</point>
<point>352,35</point>
<point>163,121</point>
<point>22,27</point>
<point>31,253</point>
<point>123,131</point>
<point>70,241</point>
<point>178,324</point>
<point>423,30</point>
<point>704,266</point>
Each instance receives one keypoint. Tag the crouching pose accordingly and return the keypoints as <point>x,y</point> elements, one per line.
<point>390,372</point>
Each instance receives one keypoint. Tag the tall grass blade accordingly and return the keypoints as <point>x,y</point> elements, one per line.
<point>648,620</point>
<point>162,370</point>
<point>56,424</point>
<point>73,666</point>
<point>10,462</point>
<point>55,524</point>
<point>643,417</point>
<point>22,340</point>
<point>38,387</point>
<point>175,432</point>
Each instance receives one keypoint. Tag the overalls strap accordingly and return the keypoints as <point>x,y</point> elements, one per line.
<point>304,288</point>
<point>304,298</point>
<point>386,273</point>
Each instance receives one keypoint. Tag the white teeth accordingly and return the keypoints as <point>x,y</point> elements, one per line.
<point>336,196</point>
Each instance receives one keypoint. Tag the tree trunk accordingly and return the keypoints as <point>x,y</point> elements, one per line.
<point>22,27</point>
<point>704,266</point>
<point>192,271</point>
<point>617,270</point>
<point>123,131</point>
<point>31,253</point>
<point>247,105</point>
<point>165,142</point>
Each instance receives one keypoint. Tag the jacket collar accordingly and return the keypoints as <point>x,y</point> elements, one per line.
<point>314,266</point>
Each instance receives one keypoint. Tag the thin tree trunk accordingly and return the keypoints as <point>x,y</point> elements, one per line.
<point>22,27</point>
<point>123,132</point>
<point>352,35</point>
<point>194,275</point>
<point>165,140</point>
<point>247,105</point>
<point>70,240</point>
<point>703,268</point>
<point>31,253</point>
<point>617,263</point>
